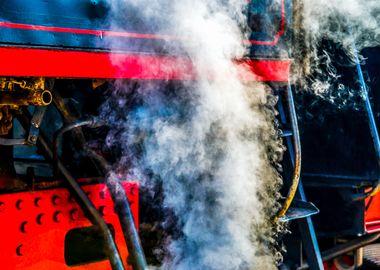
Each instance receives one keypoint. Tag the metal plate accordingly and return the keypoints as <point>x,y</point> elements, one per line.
<point>34,225</point>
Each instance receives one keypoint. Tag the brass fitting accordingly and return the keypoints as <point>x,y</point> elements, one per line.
<point>16,92</point>
<point>6,118</point>
<point>26,97</point>
<point>40,98</point>
<point>24,92</point>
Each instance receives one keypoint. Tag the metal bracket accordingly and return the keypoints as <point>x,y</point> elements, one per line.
<point>34,131</point>
<point>35,124</point>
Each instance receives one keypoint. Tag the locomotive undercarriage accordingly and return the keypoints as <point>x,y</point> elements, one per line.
<point>32,159</point>
<point>43,164</point>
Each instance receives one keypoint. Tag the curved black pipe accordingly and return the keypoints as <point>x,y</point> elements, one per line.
<point>80,123</point>
<point>119,197</point>
<point>81,197</point>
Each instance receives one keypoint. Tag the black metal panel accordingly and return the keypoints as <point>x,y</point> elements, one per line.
<point>337,142</point>
<point>74,15</point>
<point>265,18</point>
<point>339,214</point>
<point>68,13</point>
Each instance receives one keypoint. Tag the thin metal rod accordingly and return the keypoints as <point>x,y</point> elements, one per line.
<point>10,142</point>
<point>297,152</point>
<point>371,118</point>
<point>306,227</point>
<point>119,197</point>
<point>81,197</point>
<point>346,248</point>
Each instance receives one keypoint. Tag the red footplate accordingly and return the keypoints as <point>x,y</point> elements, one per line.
<point>372,214</point>
<point>37,228</point>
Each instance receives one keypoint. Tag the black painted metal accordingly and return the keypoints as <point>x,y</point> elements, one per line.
<point>96,15</point>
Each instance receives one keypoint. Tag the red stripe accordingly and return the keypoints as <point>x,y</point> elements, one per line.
<point>79,31</point>
<point>101,33</point>
<point>79,64</point>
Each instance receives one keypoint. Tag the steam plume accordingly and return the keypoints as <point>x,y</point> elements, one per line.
<point>211,142</point>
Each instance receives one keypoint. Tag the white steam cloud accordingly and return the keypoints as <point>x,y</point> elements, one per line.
<point>212,142</point>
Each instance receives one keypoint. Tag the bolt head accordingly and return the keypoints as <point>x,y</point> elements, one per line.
<point>2,207</point>
<point>57,216</point>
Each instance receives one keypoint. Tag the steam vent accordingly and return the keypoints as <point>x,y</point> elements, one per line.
<point>189,135</point>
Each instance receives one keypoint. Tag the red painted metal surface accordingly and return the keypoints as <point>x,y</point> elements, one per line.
<point>34,225</point>
<point>332,265</point>
<point>267,70</point>
<point>372,214</point>
<point>82,64</point>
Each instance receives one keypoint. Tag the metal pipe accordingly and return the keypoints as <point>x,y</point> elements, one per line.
<point>297,152</point>
<point>359,258</point>
<point>346,248</point>
<point>26,97</point>
<point>80,123</point>
<point>118,195</point>
<point>81,197</point>
<point>11,142</point>
<point>131,236</point>
<point>122,208</point>
<point>68,117</point>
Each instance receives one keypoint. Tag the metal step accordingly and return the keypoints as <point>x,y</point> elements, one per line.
<point>286,133</point>
<point>299,209</point>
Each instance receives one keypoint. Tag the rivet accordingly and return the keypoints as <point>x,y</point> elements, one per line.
<point>2,207</point>
<point>19,250</point>
<point>101,210</point>
<point>19,204</point>
<point>71,198</point>
<point>23,226</point>
<point>74,214</point>
<point>39,218</point>
<point>102,195</point>
<point>37,202</point>
<point>57,216</point>
<point>56,200</point>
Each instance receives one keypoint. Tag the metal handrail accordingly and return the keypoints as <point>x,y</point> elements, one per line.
<point>297,161</point>
<point>372,122</point>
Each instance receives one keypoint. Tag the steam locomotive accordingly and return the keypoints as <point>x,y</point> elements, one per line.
<point>59,211</point>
